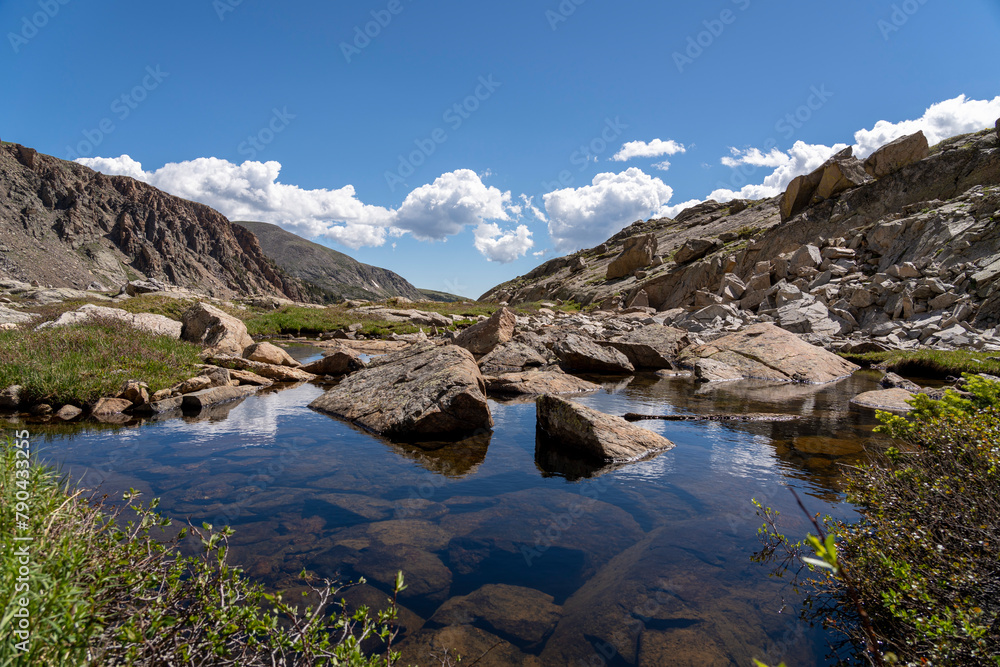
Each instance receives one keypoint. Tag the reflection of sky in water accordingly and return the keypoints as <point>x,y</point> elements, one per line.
<point>256,419</point>
<point>310,470</point>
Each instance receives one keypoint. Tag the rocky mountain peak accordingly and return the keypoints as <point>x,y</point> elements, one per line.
<point>68,226</point>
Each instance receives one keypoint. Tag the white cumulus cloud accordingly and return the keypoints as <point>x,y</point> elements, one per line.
<point>586,216</point>
<point>655,148</point>
<point>958,115</point>
<point>502,247</point>
<point>251,191</point>
<point>801,158</point>
<point>940,121</point>
<point>672,211</point>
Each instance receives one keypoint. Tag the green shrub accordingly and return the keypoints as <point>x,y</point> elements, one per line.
<point>923,561</point>
<point>104,592</point>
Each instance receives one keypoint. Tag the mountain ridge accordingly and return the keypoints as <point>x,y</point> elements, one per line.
<point>335,275</point>
<point>65,225</point>
<point>693,253</point>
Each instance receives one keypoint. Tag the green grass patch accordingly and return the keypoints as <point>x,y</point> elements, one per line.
<point>298,321</point>
<point>937,364</point>
<point>100,590</point>
<point>82,363</point>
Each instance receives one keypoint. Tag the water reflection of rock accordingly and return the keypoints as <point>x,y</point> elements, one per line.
<point>553,461</point>
<point>452,458</point>
<point>812,448</point>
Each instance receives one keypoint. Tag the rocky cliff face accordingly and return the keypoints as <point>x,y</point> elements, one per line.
<point>916,241</point>
<point>64,225</point>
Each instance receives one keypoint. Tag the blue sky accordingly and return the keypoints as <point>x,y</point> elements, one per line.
<point>463,143</point>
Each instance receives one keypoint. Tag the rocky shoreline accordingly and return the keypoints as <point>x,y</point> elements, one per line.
<point>897,253</point>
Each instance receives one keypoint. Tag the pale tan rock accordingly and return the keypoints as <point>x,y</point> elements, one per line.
<point>110,406</point>
<point>594,435</point>
<point>637,253</point>
<point>250,378</point>
<point>161,394</point>
<point>840,176</point>
<point>68,413</point>
<point>135,392</point>
<point>269,371</point>
<point>483,337</point>
<point>200,400</point>
<point>766,352</point>
<point>267,353</point>
<point>221,333</point>
<point>148,322</point>
<point>196,383</point>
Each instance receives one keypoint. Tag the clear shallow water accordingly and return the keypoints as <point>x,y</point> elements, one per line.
<point>646,564</point>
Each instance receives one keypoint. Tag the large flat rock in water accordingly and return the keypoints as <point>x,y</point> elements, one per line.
<point>424,390</point>
<point>765,352</point>
<point>595,435</point>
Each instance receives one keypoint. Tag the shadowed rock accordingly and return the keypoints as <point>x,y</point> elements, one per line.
<point>582,354</point>
<point>653,347</point>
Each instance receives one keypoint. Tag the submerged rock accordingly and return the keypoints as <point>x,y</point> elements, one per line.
<point>595,435</point>
<point>514,611</point>
<point>892,400</point>
<point>425,390</point>
<point>766,352</point>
